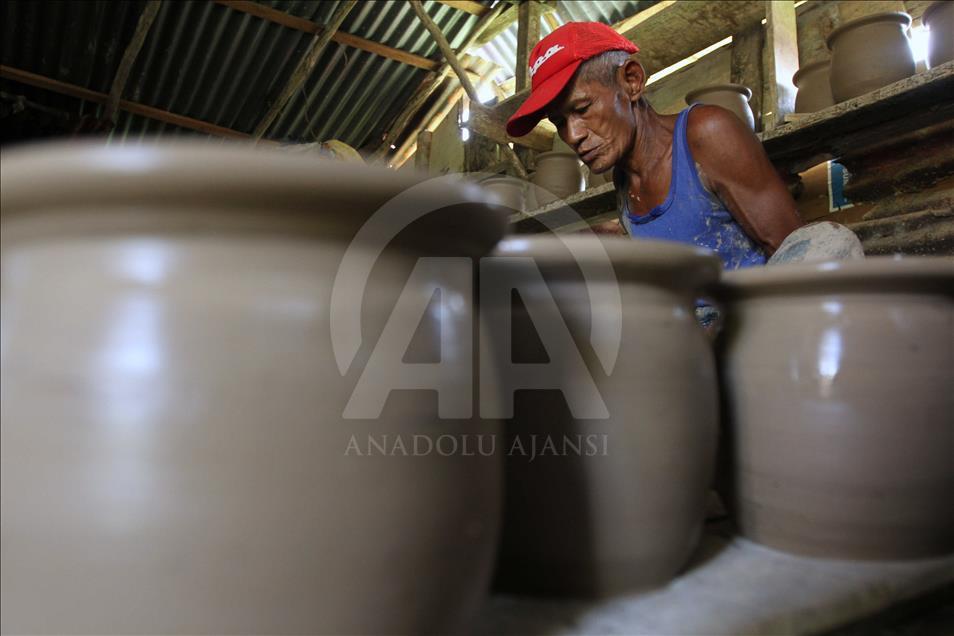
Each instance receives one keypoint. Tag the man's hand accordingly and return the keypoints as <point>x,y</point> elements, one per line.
<point>732,164</point>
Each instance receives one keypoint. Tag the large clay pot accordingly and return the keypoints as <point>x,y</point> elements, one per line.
<point>814,87</point>
<point>175,454</point>
<point>939,17</point>
<point>733,97</point>
<point>838,382</point>
<point>511,191</point>
<point>624,510</point>
<point>869,53</point>
<point>559,174</point>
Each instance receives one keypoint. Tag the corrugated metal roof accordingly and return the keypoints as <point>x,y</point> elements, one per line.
<point>213,63</point>
<point>210,62</point>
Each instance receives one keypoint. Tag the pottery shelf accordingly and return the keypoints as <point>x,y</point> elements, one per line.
<point>736,586</point>
<point>857,125</point>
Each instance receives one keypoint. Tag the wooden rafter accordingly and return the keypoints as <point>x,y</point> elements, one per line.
<point>305,66</point>
<point>528,34</point>
<point>307,26</point>
<point>469,88</point>
<point>474,8</point>
<point>146,19</point>
<point>72,90</point>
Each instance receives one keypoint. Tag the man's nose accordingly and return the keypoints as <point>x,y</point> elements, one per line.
<point>575,133</point>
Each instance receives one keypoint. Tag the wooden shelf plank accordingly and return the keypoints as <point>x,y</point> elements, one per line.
<point>574,212</point>
<point>910,104</point>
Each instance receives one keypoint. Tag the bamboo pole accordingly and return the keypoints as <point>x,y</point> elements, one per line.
<point>146,19</point>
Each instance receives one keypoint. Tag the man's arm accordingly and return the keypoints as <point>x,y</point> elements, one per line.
<point>735,167</point>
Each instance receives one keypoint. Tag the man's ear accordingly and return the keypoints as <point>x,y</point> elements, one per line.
<point>634,78</point>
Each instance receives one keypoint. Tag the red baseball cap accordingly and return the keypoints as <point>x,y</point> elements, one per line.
<point>553,62</point>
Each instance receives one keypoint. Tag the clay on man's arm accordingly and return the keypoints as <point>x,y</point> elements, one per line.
<point>735,167</point>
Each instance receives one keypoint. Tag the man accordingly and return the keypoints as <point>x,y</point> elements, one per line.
<point>699,177</point>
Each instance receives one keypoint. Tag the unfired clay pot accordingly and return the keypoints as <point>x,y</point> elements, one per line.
<point>511,191</point>
<point>175,454</point>
<point>624,511</point>
<point>559,174</point>
<point>814,87</point>
<point>733,97</point>
<point>838,382</point>
<point>869,53</point>
<point>939,17</point>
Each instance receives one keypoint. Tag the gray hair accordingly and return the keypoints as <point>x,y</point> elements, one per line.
<point>602,68</point>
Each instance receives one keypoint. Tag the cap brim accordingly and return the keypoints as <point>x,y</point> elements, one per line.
<point>531,111</point>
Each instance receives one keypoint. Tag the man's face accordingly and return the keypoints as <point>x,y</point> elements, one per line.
<point>596,121</point>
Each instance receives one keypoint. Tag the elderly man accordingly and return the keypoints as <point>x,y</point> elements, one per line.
<point>699,177</point>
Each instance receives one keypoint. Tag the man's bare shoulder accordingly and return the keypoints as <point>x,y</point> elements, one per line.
<point>713,127</point>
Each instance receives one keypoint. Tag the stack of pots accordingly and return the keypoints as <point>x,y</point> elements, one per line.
<point>869,53</point>
<point>840,422</point>
<point>814,87</point>
<point>732,97</point>
<point>558,175</point>
<point>606,489</point>
<point>180,450</point>
<point>939,18</point>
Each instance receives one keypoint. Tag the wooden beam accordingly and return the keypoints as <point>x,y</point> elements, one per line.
<point>301,24</point>
<point>449,56</point>
<point>506,18</point>
<point>779,62</point>
<point>437,114</point>
<point>474,8</point>
<point>486,122</point>
<point>63,88</point>
<point>528,34</point>
<point>670,31</point>
<point>304,68</point>
<point>146,19</point>
<point>422,155</point>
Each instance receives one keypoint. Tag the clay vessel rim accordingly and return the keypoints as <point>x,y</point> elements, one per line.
<point>739,88</point>
<point>638,258</point>
<point>501,179</point>
<point>810,68</point>
<point>900,16</point>
<point>865,274</point>
<point>91,175</point>
<point>933,8</point>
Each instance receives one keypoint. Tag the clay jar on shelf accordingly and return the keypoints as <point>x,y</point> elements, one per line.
<point>939,17</point>
<point>176,453</point>
<point>869,53</point>
<point>840,414</point>
<point>733,97</point>
<point>558,174</point>
<point>814,87</point>
<point>511,191</point>
<point>605,488</point>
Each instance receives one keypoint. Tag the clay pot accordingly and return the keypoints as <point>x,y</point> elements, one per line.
<point>625,509</point>
<point>869,53</point>
<point>559,174</point>
<point>838,382</point>
<point>511,191</point>
<point>939,17</point>
<point>733,97</point>
<point>814,87</point>
<point>175,454</point>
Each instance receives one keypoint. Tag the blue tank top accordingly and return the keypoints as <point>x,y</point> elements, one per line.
<point>690,214</point>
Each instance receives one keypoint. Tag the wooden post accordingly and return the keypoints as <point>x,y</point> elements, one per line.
<point>779,62</point>
<point>422,156</point>
<point>148,16</point>
<point>451,58</point>
<point>746,66</point>
<point>305,66</point>
<point>528,34</point>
